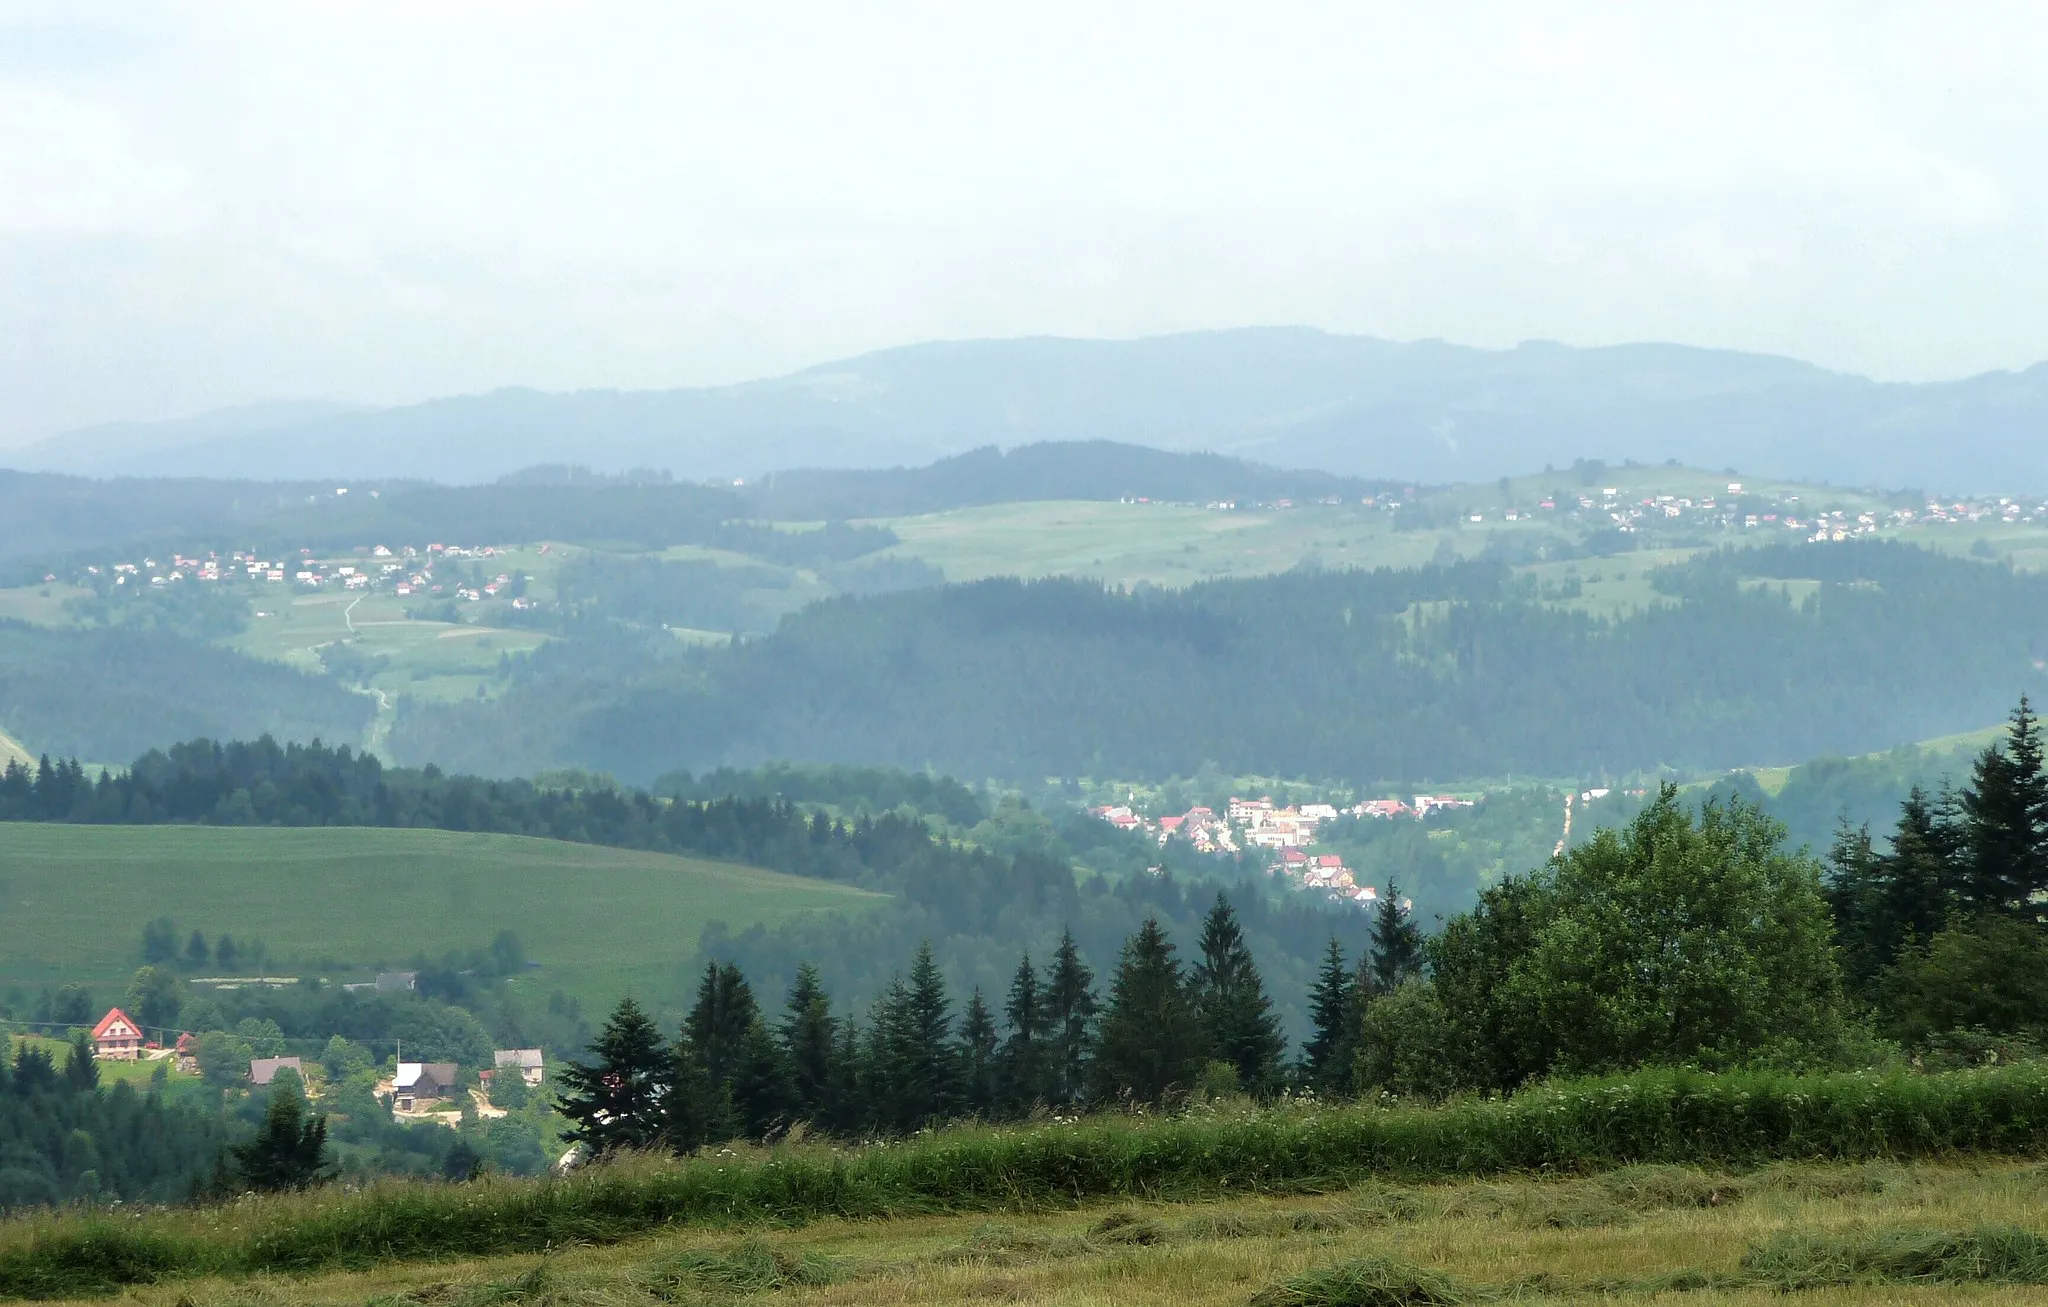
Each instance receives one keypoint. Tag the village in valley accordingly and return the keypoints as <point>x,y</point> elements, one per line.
<point>1284,834</point>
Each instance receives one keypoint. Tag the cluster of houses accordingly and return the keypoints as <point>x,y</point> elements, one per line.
<point>1819,525</point>
<point>406,571</point>
<point>416,1091</point>
<point>1287,832</point>
<point>1260,824</point>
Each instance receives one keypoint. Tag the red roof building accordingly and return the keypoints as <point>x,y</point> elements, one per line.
<point>116,1038</point>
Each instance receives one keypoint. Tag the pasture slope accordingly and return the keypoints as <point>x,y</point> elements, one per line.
<point>330,900</point>
<point>11,751</point>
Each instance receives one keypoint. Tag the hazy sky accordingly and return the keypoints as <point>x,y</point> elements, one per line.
<point>208,204</point>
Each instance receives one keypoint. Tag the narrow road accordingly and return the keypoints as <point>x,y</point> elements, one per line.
<point>351,608</point>
<point>1566,838</point>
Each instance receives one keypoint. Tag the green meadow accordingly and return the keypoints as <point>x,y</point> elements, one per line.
<point>342,901</point>
<point>1164,544</point>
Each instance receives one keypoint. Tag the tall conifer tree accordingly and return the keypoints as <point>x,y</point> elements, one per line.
<point>914,1067</point>
<point>1396,942</point>
<point>807,1034</point>
<point>762,1097</point>
<point>694,1110</point>
<point>978,1048</point>
<point>1025,1062</point>
<point>614,1100</point>
<point>2005,820</point>
<point>1230,999</point>
<point>1324,1065</point>
<point>720,1018</point>
<point>1070,1017</point>
<point>1151,1046</point>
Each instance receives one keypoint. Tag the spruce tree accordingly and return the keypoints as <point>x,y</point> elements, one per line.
<point>1358,1004</point>
<point>1237,1018</point>
<point>1025,1062</point>
<point>614,1101</point>
<point>807,1035</point>
<point>2005,820</point>
<point>1396,942</point>
<point>695,1111</point>
<point>719,1020</point>
<point>1925,875</point>
<point>761,1093</point>
<point>1859,904</point>
<point>1324,1067</point>
<point>81,1068</point>
<point>931,1069</point>
<point>978,1057</point>
<point>1151,1046</point>
<point>1070,1020</point>
<point>289,1150</point>
<point>912,1072</point>
<point>845,1107</point>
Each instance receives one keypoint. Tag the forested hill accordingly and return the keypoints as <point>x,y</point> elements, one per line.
<point>1092,469</point>
<point>103,694</point>
<point>1750,656</point>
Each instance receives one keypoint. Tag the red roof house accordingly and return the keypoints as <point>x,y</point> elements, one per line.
<point>117,1038</point>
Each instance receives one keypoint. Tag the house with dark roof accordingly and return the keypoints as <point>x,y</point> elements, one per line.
<point>422,1086</point>
<point>263,1070</point>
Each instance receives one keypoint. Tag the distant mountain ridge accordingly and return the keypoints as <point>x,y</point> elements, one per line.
<point>1283,396</point>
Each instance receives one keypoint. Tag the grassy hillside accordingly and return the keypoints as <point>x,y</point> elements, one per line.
<point>11,751</point>
<point>1165,544</point>
<point>328,901</point>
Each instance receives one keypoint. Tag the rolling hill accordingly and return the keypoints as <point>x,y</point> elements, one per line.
<point>1771,653</point>
<point>598,921</point>
<point>1289,396</point>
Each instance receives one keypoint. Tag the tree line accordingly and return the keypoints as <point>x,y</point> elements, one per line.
<point>1942,928</point>
<point>1161,1031</point>
<point>1692,936</point>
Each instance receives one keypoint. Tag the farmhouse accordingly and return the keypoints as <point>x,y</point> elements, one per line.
<point>526,1061</point>
<point>116,1038</point>
<point>421,1083</point>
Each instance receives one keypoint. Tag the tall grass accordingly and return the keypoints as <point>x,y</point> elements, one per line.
<point>1661,1116</point>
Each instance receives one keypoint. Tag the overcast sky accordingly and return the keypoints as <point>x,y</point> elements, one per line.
<point>210,204</point>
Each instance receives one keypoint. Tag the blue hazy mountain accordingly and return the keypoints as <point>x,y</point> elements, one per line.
<point>1281,396</point>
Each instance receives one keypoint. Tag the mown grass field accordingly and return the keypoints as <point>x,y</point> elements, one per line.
<point>1640,1186</point>
<point>1848,1234</point>
<point>325,901</point>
